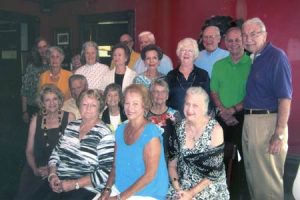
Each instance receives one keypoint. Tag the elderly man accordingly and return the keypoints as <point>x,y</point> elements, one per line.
<point>267,108</point>
<point>146,38</point>
<point>228,89</point>
<point>212,53</point>
<point>134,56</point>
<point>77,84</point>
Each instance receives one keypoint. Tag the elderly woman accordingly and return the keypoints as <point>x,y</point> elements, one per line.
<point>30,80</point>
<point>94,71</point>
<point>186,75</point>
<point>139,169</point>
<point>56,75</point>
<point>121,74</point>
<point>80,163</point>
<point>114,114</point>
<point>162,115</point>
<point>151,56</point>
<point>44,132</point>
<point>196,166</point>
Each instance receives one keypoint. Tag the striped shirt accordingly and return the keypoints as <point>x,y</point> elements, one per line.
<point>92,155</point>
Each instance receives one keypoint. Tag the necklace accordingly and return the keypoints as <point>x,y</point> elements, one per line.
<point>188,85</point>
<point>46,130</point>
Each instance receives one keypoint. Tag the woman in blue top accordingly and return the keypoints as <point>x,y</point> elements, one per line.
<point>139,170</point>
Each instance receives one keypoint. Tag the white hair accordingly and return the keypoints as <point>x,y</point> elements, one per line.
<point>256,21</point>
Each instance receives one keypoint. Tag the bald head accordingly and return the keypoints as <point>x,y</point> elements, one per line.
<point>146,38</point>
<point>211,38</point>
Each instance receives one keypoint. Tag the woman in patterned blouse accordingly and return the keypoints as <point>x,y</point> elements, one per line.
<point>81,161</point>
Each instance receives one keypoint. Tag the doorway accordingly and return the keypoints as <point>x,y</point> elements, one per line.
<point>105,29</point>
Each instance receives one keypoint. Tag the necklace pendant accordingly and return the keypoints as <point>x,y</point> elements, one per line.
<point>45,134</point>
<point>47,144</point>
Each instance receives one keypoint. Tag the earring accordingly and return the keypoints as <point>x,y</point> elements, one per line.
<point>44,112</point>
<point>59,111</point>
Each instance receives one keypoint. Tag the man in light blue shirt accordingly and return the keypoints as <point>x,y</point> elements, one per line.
<point>146,38</point>
<point>212,53</point>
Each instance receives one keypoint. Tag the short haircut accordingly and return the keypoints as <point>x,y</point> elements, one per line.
<point>232,29</point>
<point>78,77</point>
<point>256,21</point>
<point>217,29</point>
<point>141,90</point>
<point>149,35</point>
<point>200,92</point>
<point>50,88</point>
<point>161,82</point>
<point>125,48</point>
<point>152,47</point>
<point>53,49</point>
<point>114,87</point>
<point>188,42</point>
<point>83,50</point>
<point>94,94</point>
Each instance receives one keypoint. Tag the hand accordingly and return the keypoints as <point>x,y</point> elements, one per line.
<point>104,195</point>
<point>25,117</point>
<point>185,195</point>
<point>231,121</point>
<point>55,184</point>
<point>275,145</point>
<point>43,171</point>
<point>68,185</point>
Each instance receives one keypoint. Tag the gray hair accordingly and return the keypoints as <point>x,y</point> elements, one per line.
<point>161,82</point>
<point>149,35</point>
<point>186,42</point>
<point>200,92</point>
<point>256,21</point>
<point>53,49</point>
<point>78,77</point>
<point>83,50</point>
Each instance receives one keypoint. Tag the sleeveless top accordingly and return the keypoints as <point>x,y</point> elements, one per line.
<point>42,152</point>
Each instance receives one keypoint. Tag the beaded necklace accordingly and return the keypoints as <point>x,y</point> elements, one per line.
<point>45,128</point>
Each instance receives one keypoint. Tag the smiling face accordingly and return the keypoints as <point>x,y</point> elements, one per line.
<point>119,57</point>
<point>159,95</point>
<point>151,59</point>
<point>112,98</point>
<point>144,41</point>
<point>51,102</point>
<point>254,38</point>
<point>76,87</point>
<point>134,106</point>
<point>211,38</point>
<point>193,107</point>
<point>186,54</point>
<point>89,108</point>
<point>55,59</point>
<point>90,55</point>
<point>234,43</point>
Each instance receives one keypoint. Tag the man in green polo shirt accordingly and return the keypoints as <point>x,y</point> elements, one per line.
<point>228,89</point>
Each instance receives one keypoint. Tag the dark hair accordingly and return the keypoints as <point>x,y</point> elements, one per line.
<point>114,87</point>
<point>125,48</point>
<point>152,47</point>
<point>35,57</point>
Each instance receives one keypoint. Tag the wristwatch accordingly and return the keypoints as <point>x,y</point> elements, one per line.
<point>77,186</point>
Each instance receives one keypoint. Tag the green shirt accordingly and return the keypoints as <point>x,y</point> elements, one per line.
<point>229,79</point>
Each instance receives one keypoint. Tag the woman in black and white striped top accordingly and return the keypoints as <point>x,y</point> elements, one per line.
<point>80,163</point>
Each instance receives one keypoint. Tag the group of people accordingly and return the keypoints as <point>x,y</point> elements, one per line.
<point>140,129</point>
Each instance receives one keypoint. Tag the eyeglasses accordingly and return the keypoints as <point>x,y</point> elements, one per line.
<point>210,37</point>
<point>252,35</point>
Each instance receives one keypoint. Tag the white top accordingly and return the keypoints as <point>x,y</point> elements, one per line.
<point>95,75</point>
<point>115,121</point>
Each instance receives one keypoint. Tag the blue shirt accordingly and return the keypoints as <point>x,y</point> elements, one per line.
<point>164,66</point>
<point>130,165</point>
<point>270,79</point>
<point>206,59</point>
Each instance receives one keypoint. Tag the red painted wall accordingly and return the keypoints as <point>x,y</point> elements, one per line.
<point>172,20</point>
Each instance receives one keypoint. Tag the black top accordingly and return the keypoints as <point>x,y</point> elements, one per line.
<point>42,152</point>
<point>178,85</point>
<point>119,79</point>
<point>106,119</point>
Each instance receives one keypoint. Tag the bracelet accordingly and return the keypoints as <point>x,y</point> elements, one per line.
<point>107,189</point>
<point>50,175</point>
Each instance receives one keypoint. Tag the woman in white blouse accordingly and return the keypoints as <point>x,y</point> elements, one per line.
<point>120,73</point>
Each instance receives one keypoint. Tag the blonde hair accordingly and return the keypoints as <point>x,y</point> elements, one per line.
<point>199,91</point>
<point>50,88</point>
<point>143,91</point>
<point>94,94</point>
<point>188,42</point>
